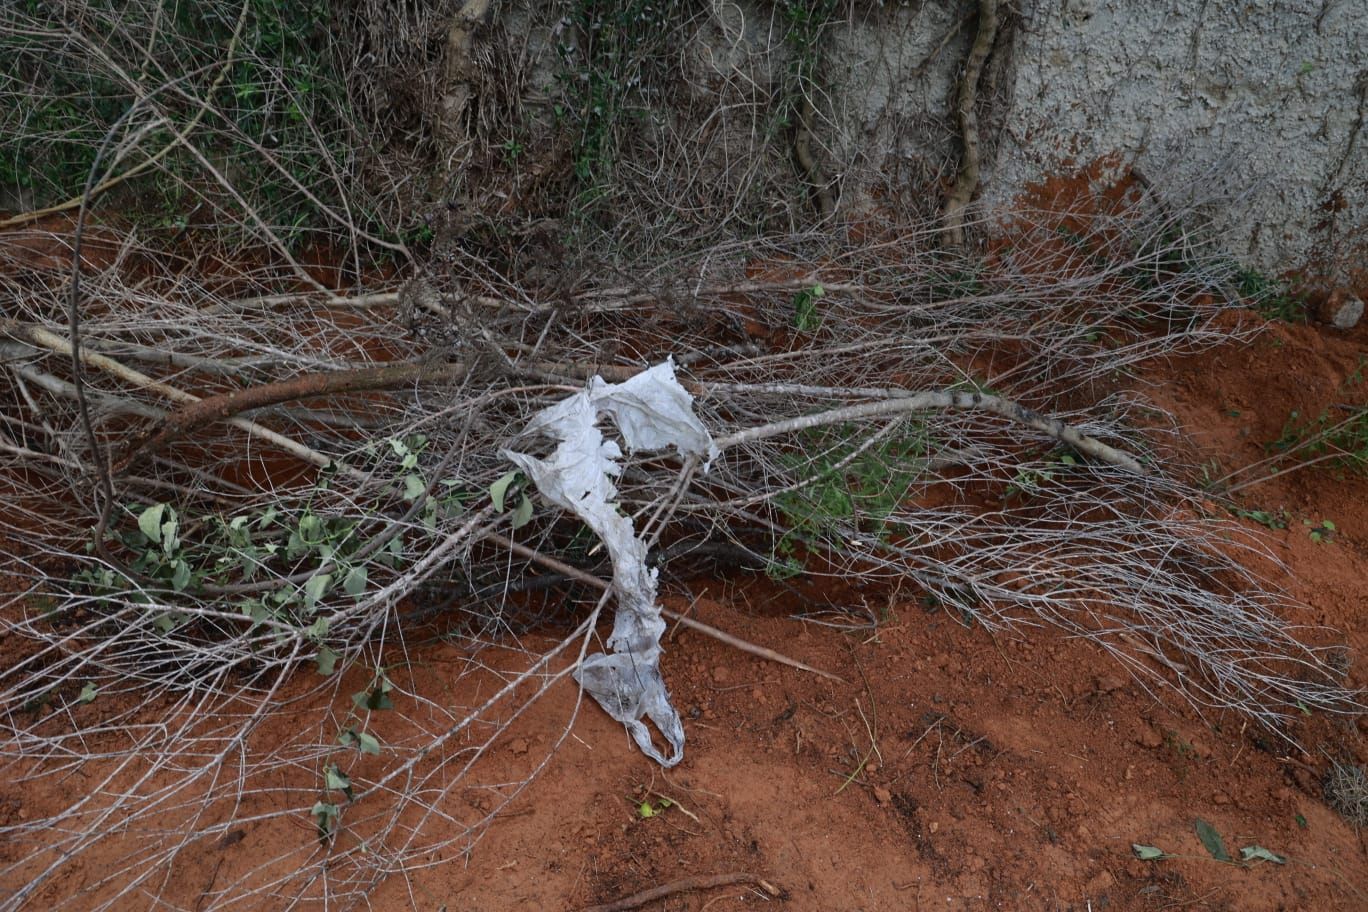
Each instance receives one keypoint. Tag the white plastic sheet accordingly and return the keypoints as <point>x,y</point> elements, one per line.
<point>652,412</point>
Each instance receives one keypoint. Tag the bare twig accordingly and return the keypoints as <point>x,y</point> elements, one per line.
<point>683,885</point>
<point>913,402</point>
<point>222,407</point>
<point>721,636</point>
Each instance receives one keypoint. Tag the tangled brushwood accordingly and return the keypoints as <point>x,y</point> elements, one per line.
<point>284,485</point>
<point>251,440</point>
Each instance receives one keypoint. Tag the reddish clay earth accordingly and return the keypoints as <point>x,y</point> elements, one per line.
<point>957,769</point>
<point>962,770</point>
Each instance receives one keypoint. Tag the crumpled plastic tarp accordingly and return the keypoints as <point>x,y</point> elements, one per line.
<point>652,412</point>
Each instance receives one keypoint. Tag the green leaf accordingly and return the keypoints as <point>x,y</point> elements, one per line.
<point>1301,821</point>
<point>317,630</point>
<point>316,588</point>
<point>355,582</point>
<point>88,693</point>
<point>414,486</point>
<point>180,576</point>
<point>149,523</point>
<point>168,533</point>
<point>338,781</point>
<point>310,529</point>
<point>1148,852</point>
<point>366,742</point>
<point>1258,852</point>
<point>499,489</point>
<point>805,316</point>
<point>327,660</point>
<point>523,514</point>
<point>325,815</point>
<point>375,699</point>
<point>1211,839</point>
<point>646,811</point>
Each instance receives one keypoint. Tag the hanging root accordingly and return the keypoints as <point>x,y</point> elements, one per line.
<point>966,184</point>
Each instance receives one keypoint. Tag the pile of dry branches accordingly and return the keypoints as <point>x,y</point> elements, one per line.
<point>239,487</point>
<point>279,479</point>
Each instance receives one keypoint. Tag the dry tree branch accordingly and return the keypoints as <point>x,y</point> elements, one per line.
<point>44,338</point>
<point>574,573</point>
<point>306,386</point>
<point>955,399</point>
<point>882,377</point>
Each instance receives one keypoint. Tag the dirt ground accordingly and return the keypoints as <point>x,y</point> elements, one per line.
<point>954,768</point>
<point>958,769</point>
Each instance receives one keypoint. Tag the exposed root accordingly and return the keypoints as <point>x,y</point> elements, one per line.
<point>966,184</point>
<point>683,885</point>
<point>818,183</point>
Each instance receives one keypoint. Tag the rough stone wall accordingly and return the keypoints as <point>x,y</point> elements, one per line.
<point>1261,101</point>
<point>1269,95</point>
<point>1266,98</point>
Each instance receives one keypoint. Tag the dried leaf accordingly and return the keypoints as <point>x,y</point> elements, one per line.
<point>1211,839</point>
<point>1251,853</point>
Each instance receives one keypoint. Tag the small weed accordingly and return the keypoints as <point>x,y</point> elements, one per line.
<point>512,151</point>
<point>1212,475</point>
<point>646,810</point>
<point>805,315</point>
<point>946,286</point>
<point>1320,532</point>
<point>1031,482</point>
<point>1342,441</point>
<point>1269,519</point>
<point>1182,749</point>
<point>1355,378</point>
<point>850,490</point>
<point>1272,298</point>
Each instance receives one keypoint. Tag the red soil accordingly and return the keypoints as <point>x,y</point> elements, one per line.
<point>956,770</point>
<point>960,770</point>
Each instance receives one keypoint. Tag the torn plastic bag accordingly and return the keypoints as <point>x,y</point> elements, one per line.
<point>652,412</point>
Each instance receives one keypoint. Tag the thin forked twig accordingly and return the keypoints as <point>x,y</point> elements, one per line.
<point>683,885</point>
<point>722,636</point>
